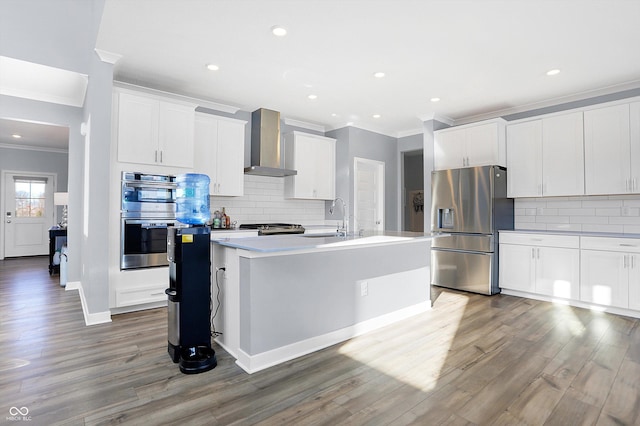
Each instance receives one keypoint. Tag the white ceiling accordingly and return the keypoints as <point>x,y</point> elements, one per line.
<point>34,135</point>
<point>481,57</point>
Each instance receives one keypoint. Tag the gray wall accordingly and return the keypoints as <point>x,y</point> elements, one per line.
<point>352,142</point>
<point>62,34</point>
<point>38,161</point>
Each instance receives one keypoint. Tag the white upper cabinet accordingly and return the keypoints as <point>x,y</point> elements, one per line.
<point>152,130</point>
<point>563,155</point>
<point>478,144</point>
<point>219,153</point>
<point>611,155</point>
<point>545,157</point>
<point>524,159</point>
<point>314,158</point>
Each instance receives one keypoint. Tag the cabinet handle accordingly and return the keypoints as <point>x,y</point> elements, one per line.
<point>624,261</point>
<point>538,253</point>
<point>156,156</point>
<point>161,156</point>
<point>533,253</point>
<point>627,245</point>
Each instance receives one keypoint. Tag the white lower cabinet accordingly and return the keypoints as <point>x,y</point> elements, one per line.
<point>611,272</point>
<point>584,270</point>
<point>547,265</point>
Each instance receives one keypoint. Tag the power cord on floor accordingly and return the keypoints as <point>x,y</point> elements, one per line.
<point>215,333</point>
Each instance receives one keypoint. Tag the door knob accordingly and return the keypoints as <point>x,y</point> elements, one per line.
<point>9,221</point>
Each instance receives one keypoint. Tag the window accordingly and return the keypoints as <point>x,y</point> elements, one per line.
<point>30,197</point>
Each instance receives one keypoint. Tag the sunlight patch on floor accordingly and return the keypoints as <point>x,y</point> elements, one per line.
<point>430,359</point>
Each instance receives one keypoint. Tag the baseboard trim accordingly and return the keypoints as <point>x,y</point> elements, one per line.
<point>261,361</point>
<point>89,318</point>
<point>571,302</point>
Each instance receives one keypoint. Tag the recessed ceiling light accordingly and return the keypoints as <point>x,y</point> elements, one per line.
<point>212,67</point>
<point>16,136</point>
<point>435,99</point>
<point>313,97</point>
<point>333,114</point>
<point>278,31</point>
<point>350,123</point>
<point>378,74</point>
<point>376,116</point>
<point>553,72</point>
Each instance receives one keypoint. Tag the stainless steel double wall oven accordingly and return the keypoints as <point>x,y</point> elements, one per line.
<point>148,210</point>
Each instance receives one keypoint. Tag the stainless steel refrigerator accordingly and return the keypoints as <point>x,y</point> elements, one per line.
<point>471,205</point>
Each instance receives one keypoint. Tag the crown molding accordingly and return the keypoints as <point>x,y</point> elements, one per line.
<point>108,57</point>
<point>304,125</point>
<point>34,148</point>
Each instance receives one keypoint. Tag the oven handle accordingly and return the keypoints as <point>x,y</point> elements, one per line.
<point>153,185</point>
<point>160,223</point>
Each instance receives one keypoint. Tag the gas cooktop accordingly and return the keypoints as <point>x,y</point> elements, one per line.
<point>274,228</point>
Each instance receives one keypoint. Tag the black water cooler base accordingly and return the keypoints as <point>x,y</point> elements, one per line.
<point>193,360</point>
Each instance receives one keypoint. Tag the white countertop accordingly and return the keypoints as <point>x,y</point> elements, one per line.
<point>280,243</point>
<point>571,233</point>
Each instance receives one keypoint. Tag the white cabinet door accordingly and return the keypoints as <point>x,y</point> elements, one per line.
<point>524,159</point>
<point>153,131</point>
<point>219,153</point>
<point>607,151</point>
<point>137,129</point>
<point>558,272</point>
<point>563,155</point>
<point>206,148</point>
<point>604,278</point>
<point>634,281</point>
<point>326,174</point>
<point>314,158</point>
<point>479,144</point>
<point>230,158</point>
<point>634,117</point>
<point>450,152</point>
<point>482,145</point>
<point>175,135</point>
<point>517,267</point>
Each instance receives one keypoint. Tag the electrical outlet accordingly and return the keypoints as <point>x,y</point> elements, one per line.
<point>364,288</point>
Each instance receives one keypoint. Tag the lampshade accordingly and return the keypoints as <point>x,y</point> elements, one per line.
<point>61,198</point>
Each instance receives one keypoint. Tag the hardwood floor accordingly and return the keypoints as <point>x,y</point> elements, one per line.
<point>473,359</point>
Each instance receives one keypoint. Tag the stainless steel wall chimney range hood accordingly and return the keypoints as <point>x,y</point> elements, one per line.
<point>266,157</point>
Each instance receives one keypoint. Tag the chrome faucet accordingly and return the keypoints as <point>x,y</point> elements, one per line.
<point>342,232</point>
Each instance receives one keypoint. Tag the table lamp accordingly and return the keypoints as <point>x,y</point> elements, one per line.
<point>62,199</point>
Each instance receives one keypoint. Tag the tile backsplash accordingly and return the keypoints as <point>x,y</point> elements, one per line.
<point>263,201</point>
<point>618,214</point>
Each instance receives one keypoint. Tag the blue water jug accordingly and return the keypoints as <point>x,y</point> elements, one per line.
<point>192,198</point>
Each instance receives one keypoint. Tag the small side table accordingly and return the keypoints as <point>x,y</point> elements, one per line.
<point>57,237</point>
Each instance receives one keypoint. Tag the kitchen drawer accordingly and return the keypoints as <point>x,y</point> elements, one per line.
<point>546,240</point>
<point>627,245</point>
<point>140,295</point>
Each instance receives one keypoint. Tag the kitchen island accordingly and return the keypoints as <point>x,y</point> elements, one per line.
<point>284,296</point>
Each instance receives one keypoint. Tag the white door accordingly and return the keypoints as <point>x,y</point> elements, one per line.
<point>28,213</point>
<point>368,211</point>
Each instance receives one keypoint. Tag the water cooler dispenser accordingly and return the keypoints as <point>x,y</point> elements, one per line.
<point>189,292</point>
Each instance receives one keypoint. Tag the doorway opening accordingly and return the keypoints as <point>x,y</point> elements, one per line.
<point>413,191</point>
